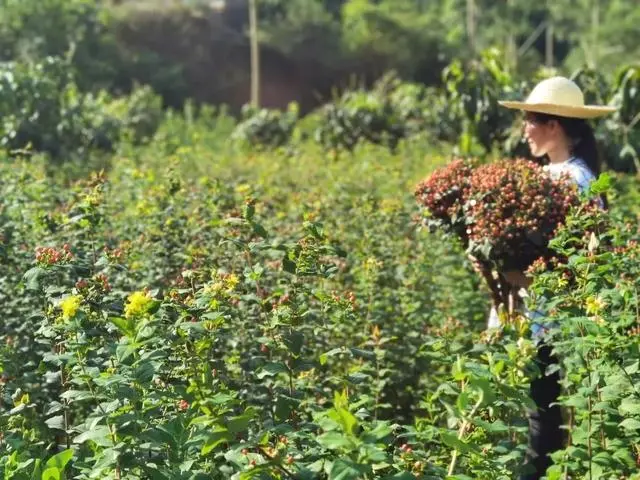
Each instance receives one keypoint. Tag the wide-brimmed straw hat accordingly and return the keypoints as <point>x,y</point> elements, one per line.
<point>558,96</point>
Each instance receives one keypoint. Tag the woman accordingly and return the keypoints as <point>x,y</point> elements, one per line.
<point>555,128</point>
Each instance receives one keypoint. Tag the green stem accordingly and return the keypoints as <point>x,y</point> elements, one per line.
<point>112,432</point>
<point>461,433</point>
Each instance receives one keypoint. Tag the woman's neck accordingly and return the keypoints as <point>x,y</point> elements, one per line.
<point>559,155</point>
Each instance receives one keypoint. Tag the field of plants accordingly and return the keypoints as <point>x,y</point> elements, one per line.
<point>225,309</point>
<point>186,296</point>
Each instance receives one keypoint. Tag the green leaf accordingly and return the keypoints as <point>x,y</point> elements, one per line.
<point>294,342</point>
<point>604,459</point>
<point>37,470</point>
<point>488,395</point>
<point>60,460</point>
<point>358,378</point>
<point>630,424</point>
<point>32,278</point>
<point>56,422</point>
<point>324,357</point>
<point>345,418</point>
<point>76,395</point>
<point>239,424</point>
<point>359,353</point>
<point>400,476</point>
<point>272,368</point>
<point>51,473</point>
<point>462,402</point>
<point>125,325</point>
<point>289,265</point>
<point>601,185</point>
<point>453,442</point>
<point>219,436</point>
<point>259,471</point>
<point>343,469</point>
<point>630,406</point>
<point>100,435</point>
<point>381,430</point>
<point>284,406</point>
<point>335,441</point>
<point>259,230</point>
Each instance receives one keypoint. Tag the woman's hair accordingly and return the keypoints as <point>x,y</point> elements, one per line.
<point>582,138</point>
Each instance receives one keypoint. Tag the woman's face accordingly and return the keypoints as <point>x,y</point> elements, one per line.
<point>541,136</point>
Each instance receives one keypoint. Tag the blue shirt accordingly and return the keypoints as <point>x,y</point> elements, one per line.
<point>582,175</point>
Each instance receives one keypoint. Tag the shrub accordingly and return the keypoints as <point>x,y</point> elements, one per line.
<point>592,301</point>
<point>383,116</point>
<point>140,113</point>
<point>44,110</point>
<point>265,128</point>
<point>618,132</point>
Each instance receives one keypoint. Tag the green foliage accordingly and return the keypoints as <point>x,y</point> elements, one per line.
<point>264,128</point>
<point>593,296</point>
<point>620,133</point>
<point>383,116</point>
<point>45,111</point>
<point>188,329</point>
<point>43,108</point>
<point>199,313</point>
<point>472,94</point>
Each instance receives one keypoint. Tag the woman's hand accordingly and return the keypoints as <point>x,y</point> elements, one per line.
<point>479,267</point>
<point>485,271</point>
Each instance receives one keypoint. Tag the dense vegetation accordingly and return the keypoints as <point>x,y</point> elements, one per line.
<point>187,296</point>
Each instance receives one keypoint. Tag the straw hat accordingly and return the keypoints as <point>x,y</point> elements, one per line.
<point>558,96</point>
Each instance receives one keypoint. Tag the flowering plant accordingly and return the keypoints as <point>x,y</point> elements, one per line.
<point>442,194</point>
<point>512,209</point>
<point>505,212</point>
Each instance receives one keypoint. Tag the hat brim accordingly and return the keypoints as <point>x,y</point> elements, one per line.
<point>587,111</point>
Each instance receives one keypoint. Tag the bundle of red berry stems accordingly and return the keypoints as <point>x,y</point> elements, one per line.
<point>504,212</point>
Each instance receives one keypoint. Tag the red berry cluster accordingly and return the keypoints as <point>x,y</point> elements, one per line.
<point>406,448</point>
<point>514,207</point>
<point>103,282</point>
<point>345,299</point>
<point>99,282</point>
<point>442,193</point>
<point>506,211</point>
<point>52,256</point>
<point>115,255</point>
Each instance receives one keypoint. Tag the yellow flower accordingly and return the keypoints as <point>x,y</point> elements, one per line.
<point>138,303</point>
<point>372,264</point>
<point>595,305</point>
<point>70,306</point>
<point>232,281</point>
<point>243,188</point>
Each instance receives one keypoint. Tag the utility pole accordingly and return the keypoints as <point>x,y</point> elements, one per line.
<point>595,26</point>
<point>255,54</point>
<point>471,24</point>
<point>511,50</point>
<point>548,43</point>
